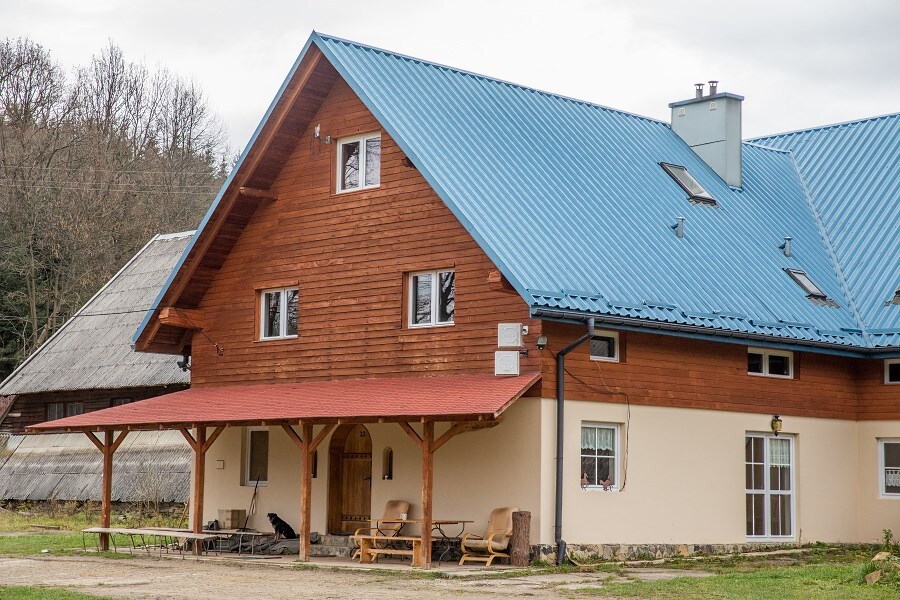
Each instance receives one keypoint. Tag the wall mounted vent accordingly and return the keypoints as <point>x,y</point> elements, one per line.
<point>506,362</point>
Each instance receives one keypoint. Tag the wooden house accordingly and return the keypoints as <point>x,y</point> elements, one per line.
<point>471,294</point>
<point>86,366</point>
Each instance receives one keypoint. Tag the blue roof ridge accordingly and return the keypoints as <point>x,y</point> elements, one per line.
<point>764,147</point>
<point>832,255</point>
<point>490,79</point>
<point>827,126</point>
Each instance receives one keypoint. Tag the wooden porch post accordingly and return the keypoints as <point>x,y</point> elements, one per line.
<point>199,479</point>
<point>200,444</point>
<point>108,446</point>
<point>307,444</point>
<point>427,490</point>
<point>306,431</point>
<point>429,446</point>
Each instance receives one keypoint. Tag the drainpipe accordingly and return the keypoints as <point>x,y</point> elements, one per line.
<point>560,433</point>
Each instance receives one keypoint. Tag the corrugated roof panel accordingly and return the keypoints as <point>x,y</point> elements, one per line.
<point>568,195</point>
<point>93,349</point>
<point>852,171</point>
<point>67,466</point>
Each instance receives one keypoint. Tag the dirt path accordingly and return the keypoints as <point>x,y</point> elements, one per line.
<point>164,579</point>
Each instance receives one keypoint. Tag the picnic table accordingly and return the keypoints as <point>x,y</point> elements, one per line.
<point>255,536</point>
<point>162,535</point>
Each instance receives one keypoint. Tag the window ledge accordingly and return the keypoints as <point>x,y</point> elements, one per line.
<point>359,189</point>
<point>261,484</point>
<point>770,376</point>
<point>431,326</point>
<point>290,338</point>
<point>597,488</point>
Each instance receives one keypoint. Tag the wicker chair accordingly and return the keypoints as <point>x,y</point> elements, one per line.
<point>493,543</point>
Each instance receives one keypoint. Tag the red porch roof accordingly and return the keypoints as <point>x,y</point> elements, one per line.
<point>449,397</point>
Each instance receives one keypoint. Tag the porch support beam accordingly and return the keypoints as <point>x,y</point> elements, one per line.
<point>413,435</point>
<point>200,444</point>
<point>306,435</point>
<point>427,490</point>
<point>455,430</point>
<point>107,447</point>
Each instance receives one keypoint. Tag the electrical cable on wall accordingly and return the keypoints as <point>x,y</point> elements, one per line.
<point>627,414</point>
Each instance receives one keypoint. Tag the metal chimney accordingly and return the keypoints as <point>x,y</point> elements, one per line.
<point>711,126</point>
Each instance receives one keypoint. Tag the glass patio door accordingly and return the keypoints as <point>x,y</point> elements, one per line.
<point>769,472</point>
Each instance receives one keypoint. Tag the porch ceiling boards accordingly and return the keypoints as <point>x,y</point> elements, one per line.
<point>444,398</point>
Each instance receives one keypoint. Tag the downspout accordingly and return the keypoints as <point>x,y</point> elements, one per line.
<point>560,433</point>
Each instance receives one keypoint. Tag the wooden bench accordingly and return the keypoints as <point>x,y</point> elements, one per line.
<point>369,552</point>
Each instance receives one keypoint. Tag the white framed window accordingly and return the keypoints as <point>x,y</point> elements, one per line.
<point>256,456</point>
<point>889,468</point>
<point>600,456</point>
<point>359,162</point>
<point>278,313</point>
<point>892,371</point>
<point>432,298</point>
<point>769,475</point>
<point>770,363</point>
<point>605,346</point>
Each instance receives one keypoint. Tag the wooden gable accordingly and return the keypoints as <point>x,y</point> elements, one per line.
<point>348,253</point>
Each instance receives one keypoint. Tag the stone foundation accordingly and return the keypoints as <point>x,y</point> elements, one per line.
<point>622,552</point>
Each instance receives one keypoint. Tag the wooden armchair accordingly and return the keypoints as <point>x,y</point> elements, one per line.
<point>493,543</point>
<point>392,511</point>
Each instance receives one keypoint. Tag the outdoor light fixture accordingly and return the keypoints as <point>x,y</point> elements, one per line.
<point>542,342</point>
<point>185,363</point>
<point>776,425</point>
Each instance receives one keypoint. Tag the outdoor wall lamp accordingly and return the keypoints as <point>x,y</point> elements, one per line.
<point>542,342</point>
<point>776,425</point>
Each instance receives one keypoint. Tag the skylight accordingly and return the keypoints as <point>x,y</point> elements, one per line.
<point>806,283</point>
<point>687,182</point>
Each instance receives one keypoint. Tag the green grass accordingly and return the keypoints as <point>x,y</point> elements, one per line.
<point>75,516</point>
<point>829,581</point>
<point>57,543</point>
<point>40,593</point>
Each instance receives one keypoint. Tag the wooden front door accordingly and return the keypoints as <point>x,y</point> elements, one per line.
<point>350,479</point>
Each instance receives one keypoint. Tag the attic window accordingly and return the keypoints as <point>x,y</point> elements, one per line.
<point>807,284</point>
<point>682,177</point>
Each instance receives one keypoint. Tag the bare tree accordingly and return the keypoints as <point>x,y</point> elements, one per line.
<point>90,167</point>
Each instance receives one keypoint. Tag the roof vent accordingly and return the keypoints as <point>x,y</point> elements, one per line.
<point>713,87</point>
<point>698,90</point>
<point>786,246</point>
<point>679,228</point>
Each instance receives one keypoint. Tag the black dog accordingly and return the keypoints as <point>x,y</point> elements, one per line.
<point>282,529</point>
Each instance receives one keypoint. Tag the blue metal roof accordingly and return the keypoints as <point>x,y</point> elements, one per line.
<point>568,200</point>
<point>852,174</point>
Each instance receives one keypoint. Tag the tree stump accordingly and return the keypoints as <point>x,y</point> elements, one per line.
<point>520,542</point>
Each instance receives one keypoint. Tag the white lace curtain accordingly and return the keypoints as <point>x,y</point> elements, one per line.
<point>779,452</point>
<point>598,438</point>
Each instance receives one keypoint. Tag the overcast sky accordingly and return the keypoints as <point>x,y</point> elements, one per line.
<point>798,63</point>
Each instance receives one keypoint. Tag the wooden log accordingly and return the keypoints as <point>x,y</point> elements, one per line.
<point>519,543</point>
<point>183,318</point>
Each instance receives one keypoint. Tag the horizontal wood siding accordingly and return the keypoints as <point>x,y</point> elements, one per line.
<point>877,400</point>
<point>348,254</point>
<point>663,370</point>
<point>33,407</point>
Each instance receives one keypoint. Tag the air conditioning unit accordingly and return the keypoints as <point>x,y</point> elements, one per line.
<point>509,335</point>
<point>506,362</point>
